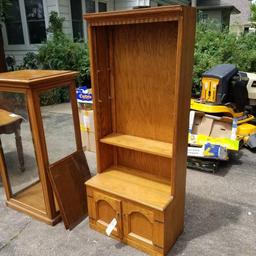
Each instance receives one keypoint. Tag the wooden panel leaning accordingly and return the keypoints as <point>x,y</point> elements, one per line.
<point>141,65</point>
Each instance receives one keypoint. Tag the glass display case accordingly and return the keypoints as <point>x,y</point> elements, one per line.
<point>39,125</point>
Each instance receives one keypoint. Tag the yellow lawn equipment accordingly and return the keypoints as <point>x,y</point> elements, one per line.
<point>221,118</point>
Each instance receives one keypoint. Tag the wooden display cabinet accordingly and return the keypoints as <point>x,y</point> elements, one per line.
<point>141,66</point>
<point>41,136</point>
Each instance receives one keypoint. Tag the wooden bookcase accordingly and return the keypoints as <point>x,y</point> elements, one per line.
<point>141,64</point>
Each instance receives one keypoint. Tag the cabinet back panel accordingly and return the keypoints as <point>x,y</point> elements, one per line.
<point>152,164</point>
<point>144,67</point>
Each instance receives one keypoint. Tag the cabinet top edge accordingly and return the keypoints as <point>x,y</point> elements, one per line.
<point>29,78</point>
<point>115,17</point>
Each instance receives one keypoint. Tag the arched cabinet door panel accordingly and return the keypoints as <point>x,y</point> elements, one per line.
<point>106,208</point>
<point>140,226</point>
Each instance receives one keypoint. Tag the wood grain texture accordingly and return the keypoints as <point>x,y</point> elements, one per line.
<point>6,118</point>
<point>33,196</point>
<point>147,163</point>
<point>146,73</point>
<point>141,91</point>
<point>102,103</point>
<point>32,83</point>
<point>148,15</point>
<point>186,40</point>
<point>67,178</point>
<point>154,147</point>
<point>107,208</point>
<point>139,189</point>
<point>32,78</point>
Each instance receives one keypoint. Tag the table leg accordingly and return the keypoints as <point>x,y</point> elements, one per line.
<point>19,149</point>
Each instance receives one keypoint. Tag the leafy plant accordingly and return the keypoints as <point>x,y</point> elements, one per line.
<point>253,12</point>
<point>4,6</point>
<point>61,53</point>
<point>30,61</point>
<point>56,23</point>
<point>214,46</point>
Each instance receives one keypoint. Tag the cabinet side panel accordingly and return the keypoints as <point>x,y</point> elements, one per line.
<point>145,57</point>
<point>175,219</point>
<point>99,56</point>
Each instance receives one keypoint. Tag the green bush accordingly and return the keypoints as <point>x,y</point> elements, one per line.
<point>30,61</point>
<point>54,96</point>
<point>214,46</point>
<point>59,53</point>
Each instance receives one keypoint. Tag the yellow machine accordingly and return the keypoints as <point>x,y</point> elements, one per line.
<point>209,89</point>
<point>224,93</point>
<point>224,98</point>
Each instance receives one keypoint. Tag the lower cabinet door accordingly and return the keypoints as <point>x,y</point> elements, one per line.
<point>141,227</point>
<point>106,208</point>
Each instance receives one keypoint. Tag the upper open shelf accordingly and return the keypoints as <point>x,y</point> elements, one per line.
<point>149,146</point>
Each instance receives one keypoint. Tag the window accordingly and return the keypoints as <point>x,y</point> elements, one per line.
<point>77,19</point>
<point>96,6</point>
<point>90,6</point>
<point>204,17</point>
<point>35,20</point>
<point>13,24</point>
<point>102,7</point>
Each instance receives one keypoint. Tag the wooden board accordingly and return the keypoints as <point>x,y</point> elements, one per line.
<point>147,163</point>
<point>145,79</point>
<point>125,183</point>
<point>67,177</point>
<point>29,78</point>
<point>8,117</point>
<point>154,147</point>
<point>33,196</point>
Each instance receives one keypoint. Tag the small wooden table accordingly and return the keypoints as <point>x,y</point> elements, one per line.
<point>10,123</point>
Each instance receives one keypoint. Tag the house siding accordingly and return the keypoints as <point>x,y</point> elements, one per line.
<point>238,22</point>
<point>65,12</point>
<point>52,6</point>
<point>123,4</point>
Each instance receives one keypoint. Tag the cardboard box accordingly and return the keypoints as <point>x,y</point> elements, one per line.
<point>211,126</point>
<point>216,130</point>
<point>87,129</point>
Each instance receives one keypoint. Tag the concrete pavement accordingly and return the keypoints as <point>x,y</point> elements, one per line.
<point>220,220</point>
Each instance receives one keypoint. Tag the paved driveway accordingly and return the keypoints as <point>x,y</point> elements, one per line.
<point>220,220</point>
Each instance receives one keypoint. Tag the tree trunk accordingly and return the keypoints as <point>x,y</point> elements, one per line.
<point>3,66</point>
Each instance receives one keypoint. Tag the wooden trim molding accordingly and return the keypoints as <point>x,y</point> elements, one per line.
<point>147,15</point>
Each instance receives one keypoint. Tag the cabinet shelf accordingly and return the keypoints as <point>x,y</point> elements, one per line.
<point>124,182</point>
<point>149,146</point>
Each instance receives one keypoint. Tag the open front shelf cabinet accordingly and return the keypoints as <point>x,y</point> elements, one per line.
<point>141,64</point>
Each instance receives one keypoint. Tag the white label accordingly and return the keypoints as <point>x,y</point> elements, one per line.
<point>13,115</point>
<point>191,120</point>
<point>111,226</point>
<point>195,151</point>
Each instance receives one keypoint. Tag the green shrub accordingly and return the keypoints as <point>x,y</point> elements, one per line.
<point>54,96</point>
<point>30,61</point>
<point>59,53</point>
<point>214,46</point>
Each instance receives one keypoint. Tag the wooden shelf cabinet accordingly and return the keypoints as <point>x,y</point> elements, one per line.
<point>45,141</point>
<point>141,68</point>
